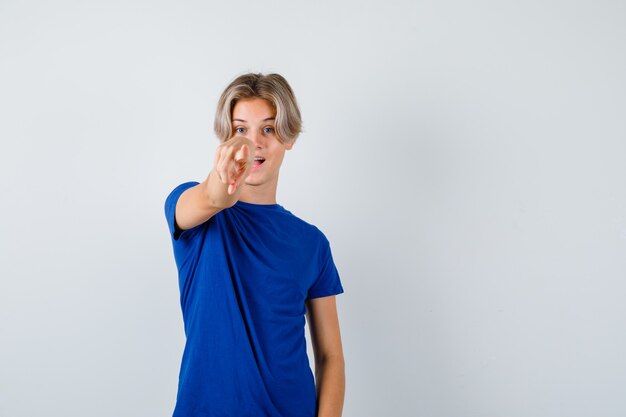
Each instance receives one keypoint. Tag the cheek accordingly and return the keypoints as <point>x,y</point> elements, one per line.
<point>278,157</point>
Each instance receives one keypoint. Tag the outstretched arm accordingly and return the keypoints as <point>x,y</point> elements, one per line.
<point>221,188</point>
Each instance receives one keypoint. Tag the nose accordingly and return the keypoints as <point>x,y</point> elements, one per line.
<point>256,138</point>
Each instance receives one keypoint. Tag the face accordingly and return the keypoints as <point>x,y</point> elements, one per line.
<point>254,118</point>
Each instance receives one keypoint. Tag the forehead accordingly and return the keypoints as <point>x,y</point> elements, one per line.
<point>253,109</point>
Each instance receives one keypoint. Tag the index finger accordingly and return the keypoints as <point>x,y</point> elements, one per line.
<point>242,153</point>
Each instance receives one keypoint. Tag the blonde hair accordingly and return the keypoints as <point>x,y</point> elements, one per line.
<point>272,87</point>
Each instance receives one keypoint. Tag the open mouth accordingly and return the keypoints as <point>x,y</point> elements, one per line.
<point>258,160</point>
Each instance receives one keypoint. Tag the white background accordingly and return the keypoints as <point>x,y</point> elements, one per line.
<point>465,159</point>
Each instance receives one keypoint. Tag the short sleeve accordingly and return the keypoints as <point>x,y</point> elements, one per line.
<point>170,210</point>
<point>328,281</point>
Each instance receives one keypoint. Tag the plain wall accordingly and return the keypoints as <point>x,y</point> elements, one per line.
<point>465,159</point>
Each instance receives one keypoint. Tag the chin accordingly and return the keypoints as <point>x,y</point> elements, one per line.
<point>252,182</point>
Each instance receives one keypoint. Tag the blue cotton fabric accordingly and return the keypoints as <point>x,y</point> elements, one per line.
<point>244,276</point>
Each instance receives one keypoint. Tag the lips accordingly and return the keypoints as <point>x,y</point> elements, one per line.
<point>258,160</point>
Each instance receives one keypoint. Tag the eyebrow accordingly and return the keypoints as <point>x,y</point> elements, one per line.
<point>265,120</point>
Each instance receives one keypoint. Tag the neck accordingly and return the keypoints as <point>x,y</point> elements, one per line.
<point>258,194</point>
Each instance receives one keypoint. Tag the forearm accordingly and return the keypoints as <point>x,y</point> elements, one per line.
<point>217,192</point>
<point>221,188</point>
<point>330,385</point>
<point>201,202</point>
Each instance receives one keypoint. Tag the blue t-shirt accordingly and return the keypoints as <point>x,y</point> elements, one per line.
<point>244,276</point>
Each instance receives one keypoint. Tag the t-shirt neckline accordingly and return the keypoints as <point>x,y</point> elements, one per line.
<point>255,205</point>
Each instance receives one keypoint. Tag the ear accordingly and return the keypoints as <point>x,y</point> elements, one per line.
<point>289,145</point>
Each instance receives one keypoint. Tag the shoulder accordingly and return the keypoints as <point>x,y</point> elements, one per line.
<point>174,194</point>
<point>178,190</point>
<point>170,211</point>
<point>306,228</point>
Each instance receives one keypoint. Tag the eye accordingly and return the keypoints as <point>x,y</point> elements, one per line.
<point>237,129</point>
<point>268,129</point>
